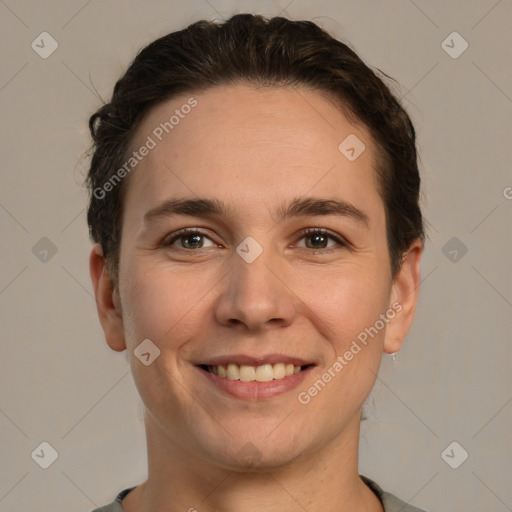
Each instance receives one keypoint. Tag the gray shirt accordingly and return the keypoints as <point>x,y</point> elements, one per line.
<point>389,502</point>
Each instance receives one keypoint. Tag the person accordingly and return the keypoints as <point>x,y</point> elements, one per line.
<point>254,208</point>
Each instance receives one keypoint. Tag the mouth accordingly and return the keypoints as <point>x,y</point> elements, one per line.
<point>255,379</point>
<point>251,373</point>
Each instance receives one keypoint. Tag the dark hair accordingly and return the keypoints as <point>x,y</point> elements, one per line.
<point>265,52</point>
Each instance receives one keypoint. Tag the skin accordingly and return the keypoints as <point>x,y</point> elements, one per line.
<point>254,149</point>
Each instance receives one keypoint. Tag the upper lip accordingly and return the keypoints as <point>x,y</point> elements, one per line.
<point>243,359</point>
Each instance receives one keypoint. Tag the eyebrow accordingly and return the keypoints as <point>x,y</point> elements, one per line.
<point>298,207</point>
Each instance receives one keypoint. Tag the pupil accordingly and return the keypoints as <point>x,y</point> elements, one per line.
<point>195,243</point>
<point>318,240</point>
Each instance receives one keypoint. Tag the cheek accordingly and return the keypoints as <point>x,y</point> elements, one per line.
<point>345,310</point>
<point>344,303</point>
<point>163,305</point>
<point>159,303</point>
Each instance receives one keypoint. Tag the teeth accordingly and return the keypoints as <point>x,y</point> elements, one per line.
<point>262,373</point>
<point>247,373</point>
<point>279,371</point>
<point>233,372</point>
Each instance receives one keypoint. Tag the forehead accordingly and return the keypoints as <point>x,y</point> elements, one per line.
<point>252,146</point>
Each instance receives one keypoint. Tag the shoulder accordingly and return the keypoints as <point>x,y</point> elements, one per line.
<point>389,501</point>
<point>116,505</point>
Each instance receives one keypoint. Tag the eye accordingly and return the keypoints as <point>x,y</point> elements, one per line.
<point>193,238</point>
<point>318,239</point>
<point>188,239</point>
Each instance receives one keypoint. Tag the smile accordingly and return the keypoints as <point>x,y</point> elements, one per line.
<point>247,373</point>
<point>255,379</point>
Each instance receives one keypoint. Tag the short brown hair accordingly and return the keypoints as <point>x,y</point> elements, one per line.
<point>266,52</point>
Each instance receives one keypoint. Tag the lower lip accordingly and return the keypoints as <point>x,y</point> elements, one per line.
<point>255,390</point>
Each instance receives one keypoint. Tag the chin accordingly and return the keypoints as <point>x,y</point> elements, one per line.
<point>258,456</point>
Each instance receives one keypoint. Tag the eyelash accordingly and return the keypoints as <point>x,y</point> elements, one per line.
<point>308,231</point>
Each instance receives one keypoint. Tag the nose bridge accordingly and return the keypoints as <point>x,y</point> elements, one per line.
<point>255,295</point>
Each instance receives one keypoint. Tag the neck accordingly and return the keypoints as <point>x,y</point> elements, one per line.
<point>325,480</point>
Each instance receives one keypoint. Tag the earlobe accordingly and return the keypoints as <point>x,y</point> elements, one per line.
<point>404,298</point>
<point>107,301</point>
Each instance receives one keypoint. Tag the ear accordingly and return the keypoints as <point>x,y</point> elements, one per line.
<point>403,298</point>
<point>107,301</point>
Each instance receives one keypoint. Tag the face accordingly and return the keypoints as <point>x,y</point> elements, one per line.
<point>254,257</point>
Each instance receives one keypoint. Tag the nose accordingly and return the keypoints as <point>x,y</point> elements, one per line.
<point>257,296</point>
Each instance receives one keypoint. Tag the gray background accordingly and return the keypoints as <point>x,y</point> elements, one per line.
<point>60,383</point>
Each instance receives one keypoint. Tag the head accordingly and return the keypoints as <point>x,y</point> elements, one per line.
<point>265,53</point>
<point>251,115</point>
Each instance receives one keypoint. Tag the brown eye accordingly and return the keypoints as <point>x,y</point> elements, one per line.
<point>191,241</point>
<point>319,239</point>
